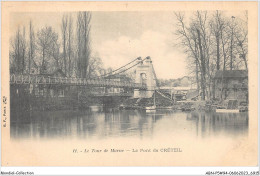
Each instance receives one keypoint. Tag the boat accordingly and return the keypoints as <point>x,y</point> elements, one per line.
<point>228,106</point>
<point>96,108</point>
<point>227,110</point>
<point>150,108</point>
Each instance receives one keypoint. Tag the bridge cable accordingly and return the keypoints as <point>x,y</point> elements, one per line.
<point>117,69</point>
<point>129,67</point>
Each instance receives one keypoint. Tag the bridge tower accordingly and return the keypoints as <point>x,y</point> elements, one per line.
<point>145,75</point>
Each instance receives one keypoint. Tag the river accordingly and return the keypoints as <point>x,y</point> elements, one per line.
<point>126,124</point>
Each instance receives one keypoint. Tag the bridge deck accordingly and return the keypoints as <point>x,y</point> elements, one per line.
<point>121,94</point>
<point>44,80</point>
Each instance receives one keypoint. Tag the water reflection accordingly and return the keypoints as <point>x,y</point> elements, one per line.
<point>219,123</point>
<point>127,123</point>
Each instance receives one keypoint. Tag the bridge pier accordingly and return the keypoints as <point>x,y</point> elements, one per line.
<point>145,75</point>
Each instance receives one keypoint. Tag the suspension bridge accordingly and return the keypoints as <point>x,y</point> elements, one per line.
<point>143,87</point>
<point>48,80</point>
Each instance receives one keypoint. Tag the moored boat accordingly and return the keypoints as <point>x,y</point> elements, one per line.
<point>231,106</point>
<point>227,110</point>
<point>150,108</point>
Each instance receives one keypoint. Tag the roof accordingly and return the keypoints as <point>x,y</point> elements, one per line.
<point>231,74</point>
<point>192,94</point>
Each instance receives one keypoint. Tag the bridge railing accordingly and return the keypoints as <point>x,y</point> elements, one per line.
<point>42,79</point>
<point>98,94</point>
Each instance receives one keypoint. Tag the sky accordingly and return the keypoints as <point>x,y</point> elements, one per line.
<point>125,36</point>
<point>120,37</point>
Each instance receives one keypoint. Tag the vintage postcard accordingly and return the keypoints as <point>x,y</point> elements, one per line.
<point>129,84</point>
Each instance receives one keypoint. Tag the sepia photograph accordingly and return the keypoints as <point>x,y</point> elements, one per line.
<point>71,78</point>
<point>130,87</point>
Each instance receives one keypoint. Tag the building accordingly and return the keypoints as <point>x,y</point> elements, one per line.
<point>231,84</point>
<point>179,93</point>
<point>185,81</point>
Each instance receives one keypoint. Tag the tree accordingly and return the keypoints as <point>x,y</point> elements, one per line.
<point>67,44</point>
<point>32,46</point>
<point>241,40</point>
<point>95,67</point>
<point>64,29</point>
<point>70,49</point>
<point>231,43</point>
<point>211,43</point>
<point>18,50</point>
<point>216,25</point>
<point>83,43</point>
<point>54,53</point>
<point>46,39</point>
<point>23,48</point>
<point>195,40</point>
